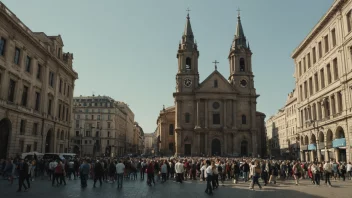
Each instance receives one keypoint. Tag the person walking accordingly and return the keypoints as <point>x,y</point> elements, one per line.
<point>208,173</point>
<point>327,170</point>
<point>23,172</point>
<point>120,169</point>
<point>98,173</point>
<point>84,172</point>
<point>179,171</point>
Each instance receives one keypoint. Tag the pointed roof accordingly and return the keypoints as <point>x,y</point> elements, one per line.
<point>240,39</point>
<point>188,36</point>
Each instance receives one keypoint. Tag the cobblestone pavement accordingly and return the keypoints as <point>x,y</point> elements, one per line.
<point>170,189</point>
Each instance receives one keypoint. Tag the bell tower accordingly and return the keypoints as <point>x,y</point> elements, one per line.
<point>187,78</point>
<point>240,59</point>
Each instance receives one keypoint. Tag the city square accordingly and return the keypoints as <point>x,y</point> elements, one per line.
<point>42,188</point>
<point>108,90</point>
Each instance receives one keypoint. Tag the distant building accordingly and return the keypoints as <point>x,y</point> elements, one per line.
<point>217,116</point>
<point>148,143</point>
<point>36,88</point>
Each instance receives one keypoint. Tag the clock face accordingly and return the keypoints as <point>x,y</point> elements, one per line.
<point>187,82</point>
<point>243,83</point>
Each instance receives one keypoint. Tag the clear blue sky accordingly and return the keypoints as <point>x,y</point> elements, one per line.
<point>126,49</point>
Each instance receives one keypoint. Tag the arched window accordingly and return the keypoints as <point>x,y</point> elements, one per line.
<point>242,65</point>
<point>187,117</point>
<point>171,129</point>
<point>188,63</point>
<point>244,119</point>
<point>215,83</point>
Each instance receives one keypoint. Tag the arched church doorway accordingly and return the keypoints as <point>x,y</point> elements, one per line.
<point>5,128</point>
<point>49,142</point>
<point>244,148</point>
<point>216,147</point>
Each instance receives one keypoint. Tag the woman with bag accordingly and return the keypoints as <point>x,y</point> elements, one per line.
<point>255,173</point>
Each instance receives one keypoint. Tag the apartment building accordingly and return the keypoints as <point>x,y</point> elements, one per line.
<point>323,81</point>
<point>36,89</point>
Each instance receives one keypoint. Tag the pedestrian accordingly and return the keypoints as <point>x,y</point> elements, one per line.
<point>98,173</point>
<point>120,169</point>
<point>23,172</point>
<point>208,173</point>
<point>84,172</point>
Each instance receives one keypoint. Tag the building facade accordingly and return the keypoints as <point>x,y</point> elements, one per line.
<point>323,80</point>
<point>148,143</point>
<point>282,130</point>
<point>36,89</point>
<point>217,116</point>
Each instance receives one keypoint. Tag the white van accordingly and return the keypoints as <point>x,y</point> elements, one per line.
<point>30,155</point>
<point>68,156</point>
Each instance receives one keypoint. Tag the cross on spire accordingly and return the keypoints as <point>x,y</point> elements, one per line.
<point>188,10</point>
<point>215,62</point>
<point>239,12</point>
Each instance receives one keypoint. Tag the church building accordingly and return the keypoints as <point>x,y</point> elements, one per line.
<point>217,116</point>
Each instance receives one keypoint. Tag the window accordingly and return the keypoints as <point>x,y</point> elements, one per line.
<point>92,117</point>
<point>308,59</point>
<point>98,117</point>
<point>85,142</point>
<point>109,125</point>
<point>328,70</point>
<point>35,146</point>
<point>187,118</point>
<point>66,114</point>
<point>86,117</point>
<point>322,79</point>
<point>39,71</point>
<point>28,148</point>
<point>37,101</point>
<point>77,133</point>
<point>97,134</point>
<point>24,96</point>
<point>98,125</point>
<point>333,34</point>
<point>316,81</point>
<point>108,142</point>
<point>242,65</point>
<point>59,112</point>
<point>244,119</point>
<point>12,89</point>
<point>60,86</point>
<point>336,70</point>
<point>301,92</point>
<point>51,79</point>
<point>17,56</point>
<point>314,55</point>
<point>304,64</point>
<point>311,86</point>
<point>59,53</point>
<point>68,93</point>
<point>215,83</point>
<point>28,64</point>
<point>339,101</point>
<point>109,117</point>
<point>349,21</point>
<point>22,127</point>
<point>305,90</point>
<point>21,143</point>
<point>300,68</point>
<point>64,88</point>
<point>326,43</point>
<point>216,118</point>
<point>320,50</point>
<point>188,63</point>
<point>35,129</point>
<point>2,46</point>
<point>49,107</point>
<point>171,129</point>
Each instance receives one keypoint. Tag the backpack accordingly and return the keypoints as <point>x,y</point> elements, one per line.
<point>257,170</point>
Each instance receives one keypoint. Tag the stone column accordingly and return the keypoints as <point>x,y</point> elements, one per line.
<point>323,113</point>
<point>4,85</point>
<point>343,99</point>
<point>178,114</point>
<point>198,114</point>
<point>206,113</point>
<point>337,105</point>
<point>331,106</point>
<point>254,144</point>
<point>234,114</point>
<point>224,109</point>
<point>206,144</point>
<point>326,156</point>
<point>178,142</point>
<point>225,143</point>
<point>337,154</point>
<point>318,151</point>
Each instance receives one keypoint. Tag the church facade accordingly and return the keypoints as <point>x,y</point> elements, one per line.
<point>217,116</point>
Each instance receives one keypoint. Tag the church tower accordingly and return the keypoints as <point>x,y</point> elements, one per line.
<point>187,78</point>
<point>240,58</point>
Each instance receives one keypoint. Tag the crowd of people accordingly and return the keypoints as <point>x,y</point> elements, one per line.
<point>210,170</point>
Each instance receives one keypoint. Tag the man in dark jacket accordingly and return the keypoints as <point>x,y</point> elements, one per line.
<point>23,173</point>
<point>98,172</point>
<point>245,170</point>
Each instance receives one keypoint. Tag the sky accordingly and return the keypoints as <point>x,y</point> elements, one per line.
<point>126,49</point>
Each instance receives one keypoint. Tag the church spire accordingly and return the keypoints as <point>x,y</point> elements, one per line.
<point>187,36</point>
<point>239,40</point>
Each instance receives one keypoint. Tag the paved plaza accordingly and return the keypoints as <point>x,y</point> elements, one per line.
<point>171,189</point>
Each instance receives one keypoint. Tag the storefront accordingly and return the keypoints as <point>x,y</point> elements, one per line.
<point>340,149</point>
<point>312,152</point>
